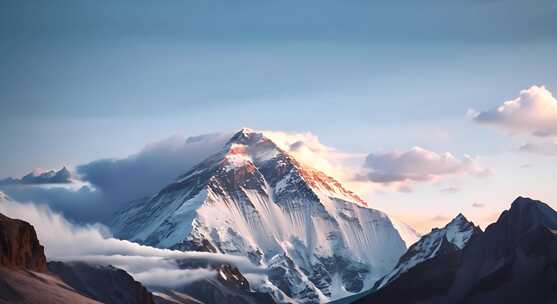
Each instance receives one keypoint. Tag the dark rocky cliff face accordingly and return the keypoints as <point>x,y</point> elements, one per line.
<point>19,246</point>
<point>105,284</point>
<point>514,261</point>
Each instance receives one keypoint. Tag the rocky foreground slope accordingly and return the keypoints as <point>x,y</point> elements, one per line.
<point>27,278</point>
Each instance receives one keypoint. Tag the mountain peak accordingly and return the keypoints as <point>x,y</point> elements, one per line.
<point>453,237</point>
<point>522,202</point>
<point>460,230</point>
<point>526,213</point>
<point>458,220</point>
<point>246,130</point>
<point>245,136</point>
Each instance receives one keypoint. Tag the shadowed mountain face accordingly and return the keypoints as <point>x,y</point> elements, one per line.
<point>513,261</point>
<point>105,284</point>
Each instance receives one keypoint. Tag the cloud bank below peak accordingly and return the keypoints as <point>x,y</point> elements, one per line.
<point>65,241</point>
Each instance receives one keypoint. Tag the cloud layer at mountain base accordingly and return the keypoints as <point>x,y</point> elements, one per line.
<point>65,241</point>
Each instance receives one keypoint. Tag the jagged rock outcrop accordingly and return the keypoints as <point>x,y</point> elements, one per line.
<point>19,246</point>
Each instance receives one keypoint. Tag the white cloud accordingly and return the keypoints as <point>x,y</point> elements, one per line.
<point>307,149</point>
<point>172,278</point>
<point>419,165</point>
<point>157,165</point>
<point>534,112</point>
<point>65,241</point>
<point>343,166</point>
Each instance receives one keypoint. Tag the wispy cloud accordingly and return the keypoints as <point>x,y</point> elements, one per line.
<point>450,190</point>
<point>545,148</point>
<point>440,218</point>
<point>419,165</point>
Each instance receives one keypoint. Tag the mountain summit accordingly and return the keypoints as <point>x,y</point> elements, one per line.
<point>318,240</point>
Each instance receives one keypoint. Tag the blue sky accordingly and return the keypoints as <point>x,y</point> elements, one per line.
<point>85,80</point>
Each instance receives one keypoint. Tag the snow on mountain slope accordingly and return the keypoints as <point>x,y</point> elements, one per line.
<point>318,240</point>
<point>407,233</point>
<point>455,234</point>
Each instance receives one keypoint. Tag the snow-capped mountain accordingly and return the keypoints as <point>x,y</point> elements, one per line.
<point>454,236</point>
<point>318,240</point>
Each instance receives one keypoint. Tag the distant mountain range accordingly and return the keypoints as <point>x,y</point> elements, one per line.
<point>62,176</point>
